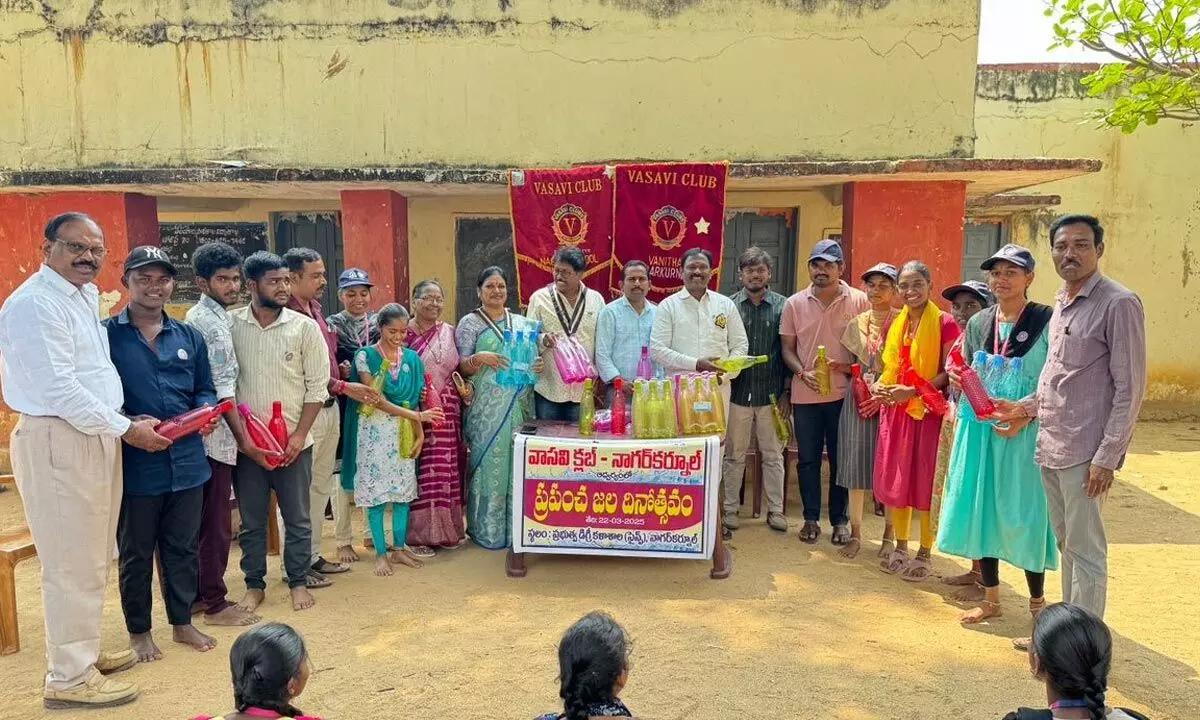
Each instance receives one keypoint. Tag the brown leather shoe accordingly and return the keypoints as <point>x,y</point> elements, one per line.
<point>95,692</point>
<point>114,662</point>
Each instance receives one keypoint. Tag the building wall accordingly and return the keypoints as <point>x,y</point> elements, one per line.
<point>481,82</point>
<point>1147,196</point>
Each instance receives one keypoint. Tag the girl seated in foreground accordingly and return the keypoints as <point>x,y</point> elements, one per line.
<point>593,667</point>
<point>270,667</point>
<point>1071,652</point>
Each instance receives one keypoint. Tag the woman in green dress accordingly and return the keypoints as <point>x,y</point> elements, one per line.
<point>375,464</point>
<point>994,506</point>
<point>495,412</point>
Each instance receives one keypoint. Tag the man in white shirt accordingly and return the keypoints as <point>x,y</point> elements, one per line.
<point>66,450</point>
<point>695,326</point>
<point>566,308</point>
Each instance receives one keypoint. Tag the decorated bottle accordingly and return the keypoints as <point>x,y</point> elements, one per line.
<point>618,405</point>
<point>408,435</point>
<point>782,430</point>
<point>935,401</point>
<point>277,425</point>
<point>261,436</point>
<point>972,384</point>
<point>737,363</point>
<point>587,411</point>
<point>385,367</point>
<point>645,369</point>
<point>191,421</point>
<point>859,390</point>
<point>821,370</point>
<point>431,399</point>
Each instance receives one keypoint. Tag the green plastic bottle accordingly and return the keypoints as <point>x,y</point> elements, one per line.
<point>377,383</point>
<point>408,435</point>
<point>658,412</point>
<point>642,427</point>
<point>587,411</point>
<point>672,415</point>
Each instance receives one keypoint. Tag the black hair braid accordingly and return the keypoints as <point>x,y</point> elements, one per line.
<point>263,661</point>
<point>1094,691</point>
<point>251,691</point>
<point>592,656</point>
<point>574,706</point>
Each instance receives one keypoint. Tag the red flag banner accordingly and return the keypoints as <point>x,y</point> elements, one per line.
<point>663,210</point>
<point>561,208</point>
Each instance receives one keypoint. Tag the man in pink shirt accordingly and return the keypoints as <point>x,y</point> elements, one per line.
<point>817,317</point>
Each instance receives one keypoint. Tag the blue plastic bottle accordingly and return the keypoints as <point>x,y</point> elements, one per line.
<point>519,360</point>
<point>504,376</point>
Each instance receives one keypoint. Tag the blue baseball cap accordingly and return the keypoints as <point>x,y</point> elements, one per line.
<point>354,277</point>
<point>1014,254</point>
<point>827,250</point>
<point>885,269</point>
<point>975,287</point>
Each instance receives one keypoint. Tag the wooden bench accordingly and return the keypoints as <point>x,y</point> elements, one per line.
<point>16,544</point>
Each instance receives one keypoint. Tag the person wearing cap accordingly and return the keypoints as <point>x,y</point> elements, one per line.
<point>813,318</point>
<point>1087,402</point>
<point>308,282</point>
<point>55,371</point>
<point>165,372</point>
<point>356,327</point>
<point>995,506</point>
<point>858,427</point>
<point>966,300</point>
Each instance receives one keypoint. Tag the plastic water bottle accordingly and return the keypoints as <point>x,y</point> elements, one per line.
<point>504,376</point>
<point>645,370</point>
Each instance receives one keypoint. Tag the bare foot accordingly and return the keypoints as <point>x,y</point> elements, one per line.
<point>143,646</point>
<point>886,547</point>
<point>346,555</point>
<point>253,599</point>
<point>403,558</point>
<point>383,568</point>
<point>302,599</point>
<point>983,612</point>
<point>189,635</point>
<point>850,551</point>
<point>232,616</point>
<point>967,578</point>
<point>971,593</point>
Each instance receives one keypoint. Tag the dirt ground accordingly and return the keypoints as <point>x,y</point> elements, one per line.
<point>795,633</point>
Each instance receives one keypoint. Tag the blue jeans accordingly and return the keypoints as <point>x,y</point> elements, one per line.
<point>550,410</point>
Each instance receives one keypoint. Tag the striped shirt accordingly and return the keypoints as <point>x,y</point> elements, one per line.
<point>1094,380</point>
<point>213,322</point>
<point>753,387</point>
<point>285,361</point>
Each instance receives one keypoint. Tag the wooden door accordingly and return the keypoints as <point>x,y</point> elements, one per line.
<point>321,232</point>
<point>981,240</point>
<point>772,230</point>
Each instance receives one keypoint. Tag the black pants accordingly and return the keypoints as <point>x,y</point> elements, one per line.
<point>170,525</point>
<point>549,410</point>
<point>817,430</point>
<point>989,573</point>
<point>253,485</point>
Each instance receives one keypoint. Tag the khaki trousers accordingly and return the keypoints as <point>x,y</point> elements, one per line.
<point>1079,527</point>
<point>70,484</point>
<point>744,421</point>
<point>325,433</point>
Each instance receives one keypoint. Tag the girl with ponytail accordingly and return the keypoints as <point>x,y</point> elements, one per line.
<point>270,669</point>
<point>593,666</point>
<point>1071,652</point>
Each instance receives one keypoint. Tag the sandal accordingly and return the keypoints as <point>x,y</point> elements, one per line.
<point>886,546</point>
<point>1036,606</point>
<point>810,533</point>
<point>420,551</point>
<point>919,569</point>
<point>897,561</point>
<point>841,535</point>
<point>315,580</point>
<point>324,567</point>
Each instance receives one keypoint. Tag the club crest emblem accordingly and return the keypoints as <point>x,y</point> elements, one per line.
<point>721,321</point>
<point>570,223</point>
<point>668,226</point>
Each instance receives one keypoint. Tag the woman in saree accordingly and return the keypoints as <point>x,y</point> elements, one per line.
<point>436,518</point>
<point>919,340</point>
<point>995,506</point>
<point>495,413</point>
<point>376,464</point>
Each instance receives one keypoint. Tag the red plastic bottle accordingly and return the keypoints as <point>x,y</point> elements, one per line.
<point>618,406</point>
<point>972,385</point>
<point>261,436</point>
<point>935,401</point>
<point>858,386</point>
<point>277,425</point>
<point>191,421</point>
<point>430,400</point>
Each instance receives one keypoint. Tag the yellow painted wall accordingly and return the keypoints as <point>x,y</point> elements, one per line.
<point>480,82</point>
<point>1147,196</point>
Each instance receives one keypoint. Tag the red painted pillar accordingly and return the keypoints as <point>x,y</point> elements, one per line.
<point>375,238</point>
<point>899,221</point>
<point>127,220</point>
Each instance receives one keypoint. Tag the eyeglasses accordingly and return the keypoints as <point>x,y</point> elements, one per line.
<point>79,249</point>
<point>432,300</point>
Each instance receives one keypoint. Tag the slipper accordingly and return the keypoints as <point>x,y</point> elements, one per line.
<point>919,569</point>
<point>841,535</point>
<point>896,562</point>
<point>420,551</point>
<point>315,580</point>
<point>810,533</point>
<point>324,567</point>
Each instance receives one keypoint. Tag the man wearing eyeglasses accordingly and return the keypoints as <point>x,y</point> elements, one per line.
<point>66,451</point>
